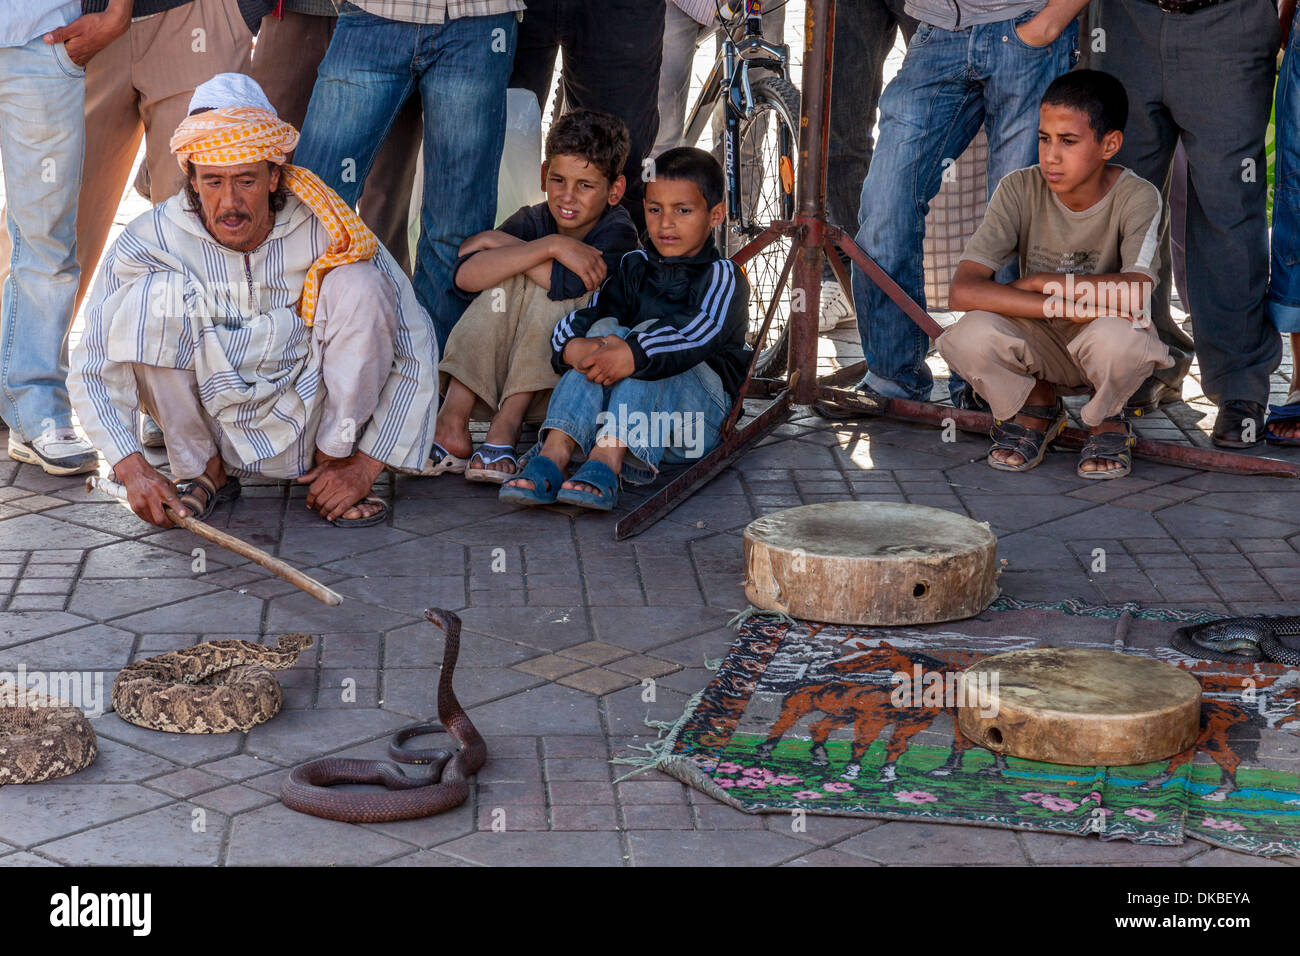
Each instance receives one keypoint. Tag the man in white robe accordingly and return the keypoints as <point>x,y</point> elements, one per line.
<point>260,323</point>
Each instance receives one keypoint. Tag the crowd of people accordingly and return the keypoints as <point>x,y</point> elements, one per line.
<point>268,316</point>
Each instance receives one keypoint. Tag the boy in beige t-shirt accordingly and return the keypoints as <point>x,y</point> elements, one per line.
<point>1087,235</point>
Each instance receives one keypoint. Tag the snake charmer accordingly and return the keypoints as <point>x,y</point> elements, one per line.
<point>261,324</point>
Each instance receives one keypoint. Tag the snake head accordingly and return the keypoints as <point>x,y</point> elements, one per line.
<point>447,620</point>
<point>293,643</point>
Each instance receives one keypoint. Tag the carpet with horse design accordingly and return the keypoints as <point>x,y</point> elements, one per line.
<point>856,721</point>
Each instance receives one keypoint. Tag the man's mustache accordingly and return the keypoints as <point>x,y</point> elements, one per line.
<point>232,214</point>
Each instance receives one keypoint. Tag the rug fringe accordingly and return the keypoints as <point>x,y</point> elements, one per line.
<point>751,612</point>
<point>659,750</point>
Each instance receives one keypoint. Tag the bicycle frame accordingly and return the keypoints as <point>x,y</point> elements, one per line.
<point>731,71</point>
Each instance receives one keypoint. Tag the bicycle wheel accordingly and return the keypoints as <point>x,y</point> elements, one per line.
<point>768,145</point>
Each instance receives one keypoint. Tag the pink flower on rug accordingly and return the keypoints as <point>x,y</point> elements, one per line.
<point>1232,826</point>
<point>807,795</point>
<point>724,783</point>
<point>836,786</point>
<point>728,767</point>
<point>1057,804</point>
<point>752,783</point>
<point>785,780</point>
<point>915,796</point>
<point>1141,814</point>
<point>754,772</point>
<point>1095,797</point>
<point>1033,797</point>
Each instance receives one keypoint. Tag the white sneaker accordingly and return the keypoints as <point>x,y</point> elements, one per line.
<point>59,452</point>
<point>150,433</point>
<point>835,307</point>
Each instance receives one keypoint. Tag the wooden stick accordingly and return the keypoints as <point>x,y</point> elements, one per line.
<point>281,569</point>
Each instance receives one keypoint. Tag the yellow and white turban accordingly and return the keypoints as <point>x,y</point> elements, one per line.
<point>240,126</point>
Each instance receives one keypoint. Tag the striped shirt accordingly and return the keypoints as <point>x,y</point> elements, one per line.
<point>168,295</point>
<point>701,11</point>
<point>437,11</point>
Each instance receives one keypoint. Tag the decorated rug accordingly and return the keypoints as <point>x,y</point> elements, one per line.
<point>853,721</point>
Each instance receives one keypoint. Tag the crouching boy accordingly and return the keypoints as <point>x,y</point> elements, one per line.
<point>652,366</point>
<point>540,265</point>
<point>1086,235</point>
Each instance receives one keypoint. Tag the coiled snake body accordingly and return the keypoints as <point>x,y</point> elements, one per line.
<point>308,789</point>
<point>1239,639</point>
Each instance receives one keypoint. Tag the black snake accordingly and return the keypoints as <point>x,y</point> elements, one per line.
<point>1239,639</point>
<point>308,789</point>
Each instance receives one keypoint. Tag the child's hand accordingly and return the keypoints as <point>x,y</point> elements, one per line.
<point>577,351</point>
<point>582,260</point>
<point>610,363</point>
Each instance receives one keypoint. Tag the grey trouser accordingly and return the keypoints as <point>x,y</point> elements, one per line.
<point>1206,77</point>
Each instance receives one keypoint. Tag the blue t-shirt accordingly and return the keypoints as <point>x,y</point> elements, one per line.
<point>614,234</point>
<point>21,21</point>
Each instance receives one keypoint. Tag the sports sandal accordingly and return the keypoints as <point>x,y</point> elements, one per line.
<point>546,478</point>
<point>200,496</point>
<point>377,518</point>
<point>601,477</point>
<point>1109,446</point>
<point>489,454</point>
<point>443,462</point>
<point>1029,443</point>
<point>1283,415</point>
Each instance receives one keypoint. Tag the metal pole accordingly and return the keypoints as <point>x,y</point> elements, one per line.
<point>814,139</point>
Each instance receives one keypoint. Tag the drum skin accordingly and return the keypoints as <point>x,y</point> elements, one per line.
<point>871,563</point>
<point>1079,706</point>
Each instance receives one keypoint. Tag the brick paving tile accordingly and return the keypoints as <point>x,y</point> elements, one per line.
<point>594,652</point>
<point>551,667</point>
<point>577,768</point>
<point>537,849</point>
<point>561,745</point>
<point>580,792</point>
<point>506,817</point>
<point>588,817</point>
<point>829,858</point>
<point>232,799</point>
<point>642,667</point>
<point>596,680</point>
<point>652,792</point>
<point>657,817</point>
<point>186,783</point>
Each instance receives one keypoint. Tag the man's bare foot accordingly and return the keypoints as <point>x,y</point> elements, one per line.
<point>362,509</point>
<point>454,436</point>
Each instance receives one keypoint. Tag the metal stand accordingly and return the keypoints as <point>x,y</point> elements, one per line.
<point>813,238</point>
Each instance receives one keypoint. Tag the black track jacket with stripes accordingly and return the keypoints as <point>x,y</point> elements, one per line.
<point>697,307</point>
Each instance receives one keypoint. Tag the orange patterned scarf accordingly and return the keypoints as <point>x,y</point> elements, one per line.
<point>236,135</point>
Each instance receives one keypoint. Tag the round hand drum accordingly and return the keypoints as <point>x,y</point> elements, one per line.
<point>879,563</point>
<point>1079,707</point>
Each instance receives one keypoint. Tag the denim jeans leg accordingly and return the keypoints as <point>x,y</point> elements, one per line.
<point>361,85</point>
<point>930,112</point>
<point>463,89</point>
<point>576,402</point>
<point>1284,274</point>
<point>42,138</point>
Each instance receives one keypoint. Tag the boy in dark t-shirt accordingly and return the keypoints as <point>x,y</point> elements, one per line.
<point>539,265</point>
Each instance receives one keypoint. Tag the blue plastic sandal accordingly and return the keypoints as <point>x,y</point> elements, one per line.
<point>546,478</point>
<point>601,477</point>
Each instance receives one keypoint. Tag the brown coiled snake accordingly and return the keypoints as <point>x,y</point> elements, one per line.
<point>308,789</point>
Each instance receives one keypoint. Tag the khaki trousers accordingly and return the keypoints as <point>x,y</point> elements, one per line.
<point>1004,357</point>
<point>356,323</point>
<point>501,346</point>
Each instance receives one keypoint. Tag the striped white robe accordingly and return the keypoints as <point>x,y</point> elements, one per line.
<point>170,295</point>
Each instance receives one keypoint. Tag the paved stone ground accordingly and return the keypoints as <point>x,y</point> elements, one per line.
<point>561,626</point>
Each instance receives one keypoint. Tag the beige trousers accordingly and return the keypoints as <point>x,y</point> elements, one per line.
<point>1003,357</point>
<point>501,346</point>
<point>356,323</point>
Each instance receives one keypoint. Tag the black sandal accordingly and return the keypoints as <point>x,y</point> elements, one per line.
<point>200,496</point>
<point>1109,446</point>
<point>1029,443</point>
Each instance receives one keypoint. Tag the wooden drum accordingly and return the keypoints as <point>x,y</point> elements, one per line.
<point>879,563</point>
<point>1079,707</point>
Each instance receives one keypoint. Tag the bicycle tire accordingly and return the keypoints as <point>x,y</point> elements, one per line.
<point>768,192</point>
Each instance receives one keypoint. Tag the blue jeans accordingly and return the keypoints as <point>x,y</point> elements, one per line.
<point>42,139</point>
<point>1284,273</point>
<point>460,68</point>
<point>951,82</point>
<point>668,421</point>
